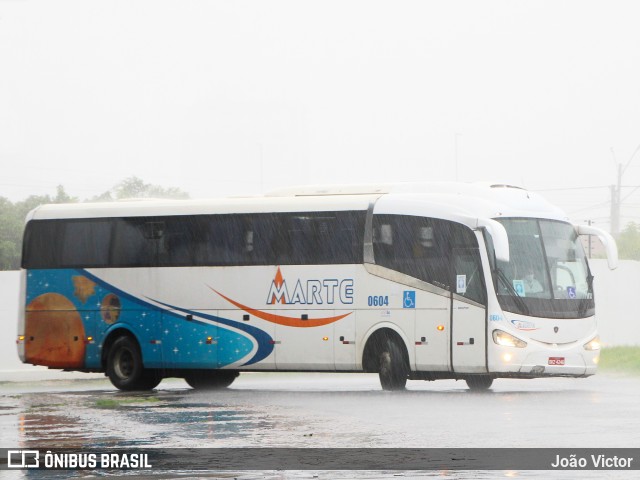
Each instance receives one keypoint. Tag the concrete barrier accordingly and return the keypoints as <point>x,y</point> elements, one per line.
<point>617,302</point>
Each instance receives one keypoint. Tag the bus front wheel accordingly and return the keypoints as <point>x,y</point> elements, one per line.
<point>393,369</point>
<point>211,379</point>
<point>125,368</point>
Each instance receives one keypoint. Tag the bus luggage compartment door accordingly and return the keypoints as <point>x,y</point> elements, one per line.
<point>305,343</point>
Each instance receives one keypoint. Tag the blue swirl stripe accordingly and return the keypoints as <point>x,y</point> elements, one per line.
<point>262,338</point>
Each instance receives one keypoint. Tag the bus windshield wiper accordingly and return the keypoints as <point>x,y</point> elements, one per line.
<point>517,298</point>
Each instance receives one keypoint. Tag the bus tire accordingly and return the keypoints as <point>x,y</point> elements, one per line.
<point>125,368</point>
<point>211,379</point>
<point>393,369</point>
<point>479,382</point>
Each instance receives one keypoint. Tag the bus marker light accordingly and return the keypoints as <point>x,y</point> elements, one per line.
<point>325,338</point>
<point>440,328</point>
<point>21,338</point>
<point>89,340</point>
<point>209,340</point>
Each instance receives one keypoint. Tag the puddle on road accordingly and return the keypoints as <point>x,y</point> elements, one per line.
<point>163,418</point>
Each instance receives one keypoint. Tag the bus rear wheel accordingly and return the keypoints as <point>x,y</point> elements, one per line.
<point>393,370</point>
<point>211,379</point>
<point>125,368</point>
<point>479,382</point>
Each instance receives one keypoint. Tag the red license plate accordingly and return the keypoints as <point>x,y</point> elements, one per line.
<point>556,360</point>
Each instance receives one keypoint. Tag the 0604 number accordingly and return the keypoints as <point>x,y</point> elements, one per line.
<point>378,301</point>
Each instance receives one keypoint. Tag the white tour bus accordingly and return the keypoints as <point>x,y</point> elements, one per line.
<point>415,281</point>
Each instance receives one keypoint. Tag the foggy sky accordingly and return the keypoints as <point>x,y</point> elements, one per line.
<point>240,97</point>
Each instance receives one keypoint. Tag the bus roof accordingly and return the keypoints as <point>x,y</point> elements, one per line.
<point>153,207</point>
<point>472,199</point>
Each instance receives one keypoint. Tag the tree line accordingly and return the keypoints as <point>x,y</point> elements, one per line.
<point>12,215</point>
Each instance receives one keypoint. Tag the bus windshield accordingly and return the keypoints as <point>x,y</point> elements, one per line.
<point>547,275</point>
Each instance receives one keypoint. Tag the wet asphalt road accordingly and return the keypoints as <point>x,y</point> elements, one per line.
<point>326,410</point>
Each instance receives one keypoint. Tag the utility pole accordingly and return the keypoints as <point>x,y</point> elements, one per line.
<point>455,146</point>
<point>615,204</point>
<point>589,223</point>
<point>616,196</point>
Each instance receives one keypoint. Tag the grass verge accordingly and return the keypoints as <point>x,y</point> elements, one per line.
<point>620,359</point>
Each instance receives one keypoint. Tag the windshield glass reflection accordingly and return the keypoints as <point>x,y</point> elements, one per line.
<point>548,274</point>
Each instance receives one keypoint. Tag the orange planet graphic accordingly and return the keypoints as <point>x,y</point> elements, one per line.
<point>84,288</point>
<point>54,333</point>
<point>110,309</point>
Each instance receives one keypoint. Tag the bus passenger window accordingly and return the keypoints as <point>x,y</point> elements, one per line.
<point>383,245</point>
<point>85,243</point>
<point>130,246</point>
<point>225,245</point>
<point>248,241</point>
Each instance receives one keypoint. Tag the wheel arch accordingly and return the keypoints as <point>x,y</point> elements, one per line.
<point>375,338</point>
<point>112,336</point>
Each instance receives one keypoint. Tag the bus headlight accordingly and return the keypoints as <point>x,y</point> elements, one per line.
<point>593,344</point>
<point>507,340</point>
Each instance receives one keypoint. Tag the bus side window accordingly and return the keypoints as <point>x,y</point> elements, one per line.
<point>224,246</point>
<point>416,246</point>
<point>130,246</point>
<point>383,250</point>
<point>42,241</point>
<point>431,251</point>
<point>314,240</point>
<point>85,243</point>
<point>269,239</point>
<point>300,231</point>
<point>184,242</point>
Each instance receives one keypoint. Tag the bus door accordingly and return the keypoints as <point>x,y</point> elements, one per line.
<point>468,313</point>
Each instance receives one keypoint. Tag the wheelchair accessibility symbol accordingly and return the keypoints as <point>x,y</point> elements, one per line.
<point>409,299</point>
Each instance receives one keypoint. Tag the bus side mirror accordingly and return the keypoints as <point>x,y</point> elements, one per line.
<point>607,240</point>
<point>499,237</point>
